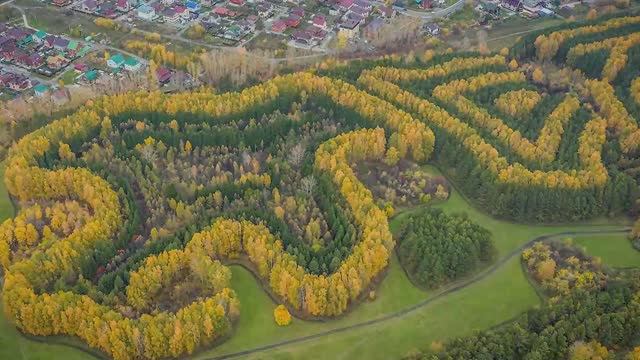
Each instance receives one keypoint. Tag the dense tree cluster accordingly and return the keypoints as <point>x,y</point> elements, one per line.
<point>436,248</point>
<point>609,317</point>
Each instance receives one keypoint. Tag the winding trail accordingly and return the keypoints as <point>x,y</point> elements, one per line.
<point>398,314</point>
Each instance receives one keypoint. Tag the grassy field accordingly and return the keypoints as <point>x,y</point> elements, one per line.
<point>615,251</point>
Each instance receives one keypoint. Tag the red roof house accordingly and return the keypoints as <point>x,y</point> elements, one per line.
<point>279,26</point>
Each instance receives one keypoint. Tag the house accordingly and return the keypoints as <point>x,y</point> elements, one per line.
<point>132,64</point>
<point>432,29</point>
<point>15,82</point>
<point>40,90</point>
<point>39,36</point>
<point>170,15</point>
<point>61,3</point>
<point>292,21</point>
<point>163,74</point>
<point>237,2</point>
<point>303,37</point>
<point>512,5</point>
<point>387,11</point>
<point>247,26</point>
<point>317,33</point>
<point>89,6</point>
<point>60,96</point>
<point>30,61</point>
<point>60,44</point>
<point>373,28</point>
<point>49,40</point>
<point>426,4</point>
<point>360,11</point>
<point>56,62</point>
<point>91,75</point>
<point>265,10</point>
<point>350,27</point>
<point>19,33</point>
<point>364,4</point>
<point>279,26</point>
<point>146,12</point>
<point>319,21</point>
<point>398,5</point>
<point>115,61</point>
<point>123,5</point>
<point>72,47</point>
<point>298,11</point>
<point>545,12</point>
<point>80,67</point>
<point>182,12</point>
<point>489,7</point>
<point>108,10</point>
<point>193,6</point>
<point>345,4</point>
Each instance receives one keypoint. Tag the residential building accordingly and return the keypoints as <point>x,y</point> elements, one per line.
<point>40,90</point>
<point>116,61</point>
<point>170,15</point>
<point>279,26</point>
<point>146,12</point>
<point>163,74</point>
<point>372,30</point>
<point>350,27</point>
<point>193,6</point>
<point>319,21</point>
<point>132,64</point>
<point>89,6</point>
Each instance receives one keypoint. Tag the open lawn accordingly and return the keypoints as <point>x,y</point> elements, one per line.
<point>495,298</point>
<point>614,250</point>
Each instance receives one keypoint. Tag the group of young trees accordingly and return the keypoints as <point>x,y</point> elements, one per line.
<point>436,248</point>
<point>561,268</point>
<point>518,102</point>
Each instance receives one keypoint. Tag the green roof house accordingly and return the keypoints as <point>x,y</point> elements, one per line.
<point>91,75</point>
<point>39,36</point>
<point>25,40</point>
<point>116,61</point>
<point>132,64</point>
<point>73,46</point>
<point>40,89</point>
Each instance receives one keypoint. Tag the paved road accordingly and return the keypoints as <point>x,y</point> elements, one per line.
<point>427,302</point>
